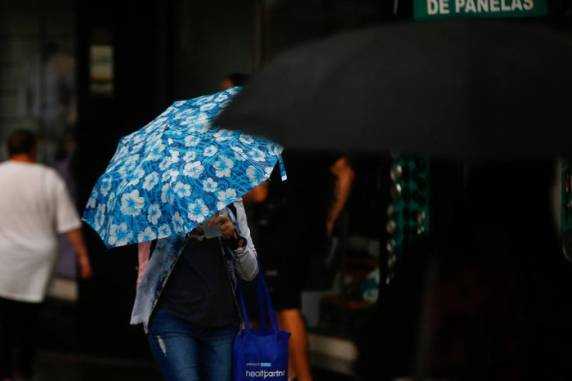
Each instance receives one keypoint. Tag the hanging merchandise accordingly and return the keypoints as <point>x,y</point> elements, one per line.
<point>408,211</point>
<point>369,287</point>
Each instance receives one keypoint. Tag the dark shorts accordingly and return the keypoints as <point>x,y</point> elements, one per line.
<point>285,289</point>
<point>284,284</point>
<point>18,337</point>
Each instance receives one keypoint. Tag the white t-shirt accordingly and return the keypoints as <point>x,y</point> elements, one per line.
<point>34,207</point>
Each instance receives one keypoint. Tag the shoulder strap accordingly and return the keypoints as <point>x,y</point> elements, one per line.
<point>233,209</point>
<point>267,312</point>
<point>233,215</point>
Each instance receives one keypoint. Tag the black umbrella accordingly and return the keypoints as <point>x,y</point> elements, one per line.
<point>471,88</point>
<point>461,89</point>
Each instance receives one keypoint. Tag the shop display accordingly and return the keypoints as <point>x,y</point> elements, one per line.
<point>408,211</point>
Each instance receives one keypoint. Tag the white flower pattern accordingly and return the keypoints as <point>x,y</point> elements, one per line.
<point>154,213</point>
<point>182,190</point>
<point>257,155</point>
<point>138,174</point>
<point>170,175</point>
<point>198,211</point>
<point>146,235</point>
<point>194,169</point>
<point>209,185</point>
<point>151,180</point>
<point>210,151</point>
<point>92,202</point>
<point>253,175</point>
<point>120,235</point>
<point>105,186</point>
<point>239,153</point>
<point>223,167</point>
<point>165,163</point>
<point>222,135</point>
<point>166,194</point>
<point>190,156</point>
<point>192,141</point>
<point>156,152</point>
<point>100,216</point>
<point>248,140</point>
<point>132,203</point>
<point>225,198</point>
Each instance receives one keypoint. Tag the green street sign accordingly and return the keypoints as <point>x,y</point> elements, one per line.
<point>444,9</point>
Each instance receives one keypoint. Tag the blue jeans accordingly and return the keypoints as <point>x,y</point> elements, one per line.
<point>186,352</point>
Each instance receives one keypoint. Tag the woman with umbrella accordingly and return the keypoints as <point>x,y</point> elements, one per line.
<point>175,187</point>
<point>191,330</point>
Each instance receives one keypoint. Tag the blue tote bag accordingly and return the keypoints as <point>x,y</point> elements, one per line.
<point>260,353</point>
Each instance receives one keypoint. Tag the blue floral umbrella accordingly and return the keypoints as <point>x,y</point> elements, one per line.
<point>176,172</point>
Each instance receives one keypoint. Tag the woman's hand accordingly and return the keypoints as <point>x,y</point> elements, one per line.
<point>225,225</point>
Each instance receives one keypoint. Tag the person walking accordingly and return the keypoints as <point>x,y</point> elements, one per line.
<point>185,296</point>
<point>276,210</point>
<point>35,207</point>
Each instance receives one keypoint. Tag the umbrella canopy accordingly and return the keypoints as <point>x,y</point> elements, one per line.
<point>457,88</point>
<point>175,173</point>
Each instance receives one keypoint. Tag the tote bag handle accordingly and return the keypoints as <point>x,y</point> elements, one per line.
<point>267,313</point>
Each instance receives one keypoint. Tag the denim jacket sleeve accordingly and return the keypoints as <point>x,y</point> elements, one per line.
<point>246,263</point>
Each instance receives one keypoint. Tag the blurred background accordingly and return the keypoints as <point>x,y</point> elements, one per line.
<point>84,73</point>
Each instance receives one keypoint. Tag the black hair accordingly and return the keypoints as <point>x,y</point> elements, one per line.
<point>21,141</point>
<point>238,79</point>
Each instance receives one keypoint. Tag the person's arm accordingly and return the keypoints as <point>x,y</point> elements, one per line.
<point>344,177</point>
<point>76,239</point>
<point>143,254</point>
<point>256,195</point>
<point>67,221</point>
<point>239,241</point>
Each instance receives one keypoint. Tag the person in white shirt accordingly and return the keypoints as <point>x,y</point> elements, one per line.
<point>34,208</point>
